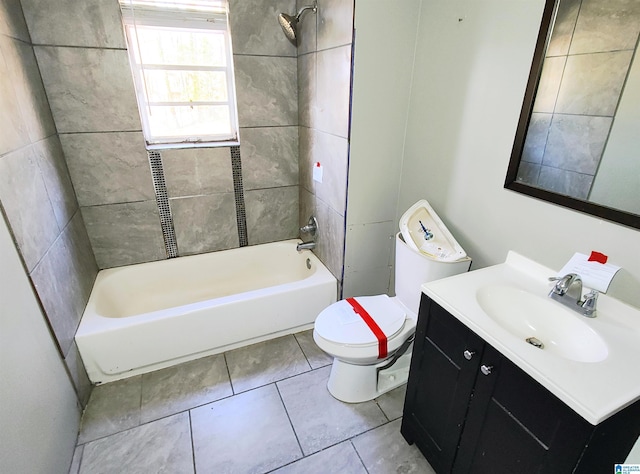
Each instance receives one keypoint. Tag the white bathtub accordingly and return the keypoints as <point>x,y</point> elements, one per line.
<point>153,315</point>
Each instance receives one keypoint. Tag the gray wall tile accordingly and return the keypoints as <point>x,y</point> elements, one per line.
<point>25,75</point>
<point>592,83</point>
<point>269,157</point>
<point>576,142</point>
<point>205,223</point>
<point>528,173</point>
<point>95,23</point>
<point>24,196</point>
<point>330,238</point>
<point>307,89</point>
<point>307,29</point>
<point>89,89</point>
<point>108,168</point>
<point>536,139</point>
<point>565,182</point>
<point>14,132</point>
<point>606,26</point>
<point>332,153</point>
<point>333,91</point>
<point>307,207</point>
<point>124,234</point>
<point>53,167</point>
<point>63,280</point>
<point>12,20</point>
<point>550,80</point>
<point>335,23</point>
<point>78,375</point>
<point>82,258</point>
<point>255,28</point>
<point>196,171</point>
<point>37,193</point>
<point>272,214</point>
<point>563,28</point>
<point>267,91</point>
<point>306,137</point>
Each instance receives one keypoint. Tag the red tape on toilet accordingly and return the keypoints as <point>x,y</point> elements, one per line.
<point>375,329</point>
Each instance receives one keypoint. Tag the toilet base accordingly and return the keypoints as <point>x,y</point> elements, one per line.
<point>352,383</point>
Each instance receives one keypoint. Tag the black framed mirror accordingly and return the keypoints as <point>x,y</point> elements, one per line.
<point>577,143</point>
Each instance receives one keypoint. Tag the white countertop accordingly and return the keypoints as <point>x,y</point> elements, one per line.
<point>594,390</point>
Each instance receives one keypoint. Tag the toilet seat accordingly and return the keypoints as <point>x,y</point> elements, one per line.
<point>339,323</point>
<point>340,331</point>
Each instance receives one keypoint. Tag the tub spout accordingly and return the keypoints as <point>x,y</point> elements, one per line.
<point>305,246</point>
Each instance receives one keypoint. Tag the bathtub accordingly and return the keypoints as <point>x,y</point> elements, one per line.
<point>148,316</point>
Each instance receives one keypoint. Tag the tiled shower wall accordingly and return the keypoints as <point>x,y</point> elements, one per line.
<point>75,177</point>
<point>82,56</point>
<point>324,78</point>
<point>586,64</point>
<point>36,193</point>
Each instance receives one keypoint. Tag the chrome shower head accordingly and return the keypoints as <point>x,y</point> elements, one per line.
<point>289,23</point>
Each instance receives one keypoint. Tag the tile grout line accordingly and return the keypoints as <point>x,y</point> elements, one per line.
<point>295,433</point>
<point>193,447</point>
<point>358,454</point>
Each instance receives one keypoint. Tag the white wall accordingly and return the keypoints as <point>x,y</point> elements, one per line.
<point>383,63</point>
<point>38,408</point>
<point>472,62</point>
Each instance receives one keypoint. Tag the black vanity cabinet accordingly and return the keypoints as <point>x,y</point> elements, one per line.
<point>470,410</point>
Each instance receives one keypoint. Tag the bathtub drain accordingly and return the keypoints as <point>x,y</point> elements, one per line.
<point>309,263</point>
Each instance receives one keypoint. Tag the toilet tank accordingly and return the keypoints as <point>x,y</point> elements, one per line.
<point>413,268</point>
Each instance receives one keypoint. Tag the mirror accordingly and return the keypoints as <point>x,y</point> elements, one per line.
<point>578,138</point>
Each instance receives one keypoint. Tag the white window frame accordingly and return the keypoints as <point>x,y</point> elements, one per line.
<point>193,17</point>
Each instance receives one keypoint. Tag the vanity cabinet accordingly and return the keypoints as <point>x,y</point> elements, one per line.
<point>471,410</point>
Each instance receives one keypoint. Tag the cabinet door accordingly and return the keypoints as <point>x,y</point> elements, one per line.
<point>440,384</point>
<point>514,425</point>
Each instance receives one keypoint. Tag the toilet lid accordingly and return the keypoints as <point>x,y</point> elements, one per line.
<point>340,323</point>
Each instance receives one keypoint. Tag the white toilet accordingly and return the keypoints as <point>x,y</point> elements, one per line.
<point>371,337</point>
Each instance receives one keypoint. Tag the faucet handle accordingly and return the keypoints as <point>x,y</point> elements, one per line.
<point>589,303</point>
<point>564,282</point>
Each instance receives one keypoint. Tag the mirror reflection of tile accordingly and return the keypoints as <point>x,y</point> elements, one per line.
<point>586,64</point>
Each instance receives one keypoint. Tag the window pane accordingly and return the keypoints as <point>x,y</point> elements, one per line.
<point>180,47</point>
<point>206,5</point>
<point>196,121</point>
<point>185,86</point>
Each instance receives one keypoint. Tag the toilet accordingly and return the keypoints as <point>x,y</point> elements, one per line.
<point>371,337</point>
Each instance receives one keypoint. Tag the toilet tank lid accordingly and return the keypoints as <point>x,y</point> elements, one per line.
<point>339,322</point>
<point>424,231</point>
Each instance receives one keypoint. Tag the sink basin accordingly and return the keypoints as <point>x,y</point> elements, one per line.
<point>543,323</point>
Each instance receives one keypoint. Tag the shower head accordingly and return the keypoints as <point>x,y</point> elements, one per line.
<point>289,23</point>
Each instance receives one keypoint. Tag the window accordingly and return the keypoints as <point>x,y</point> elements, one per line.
<point>180,55</point>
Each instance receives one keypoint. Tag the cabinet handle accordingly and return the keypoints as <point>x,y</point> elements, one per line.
<point>468,354</point>
<point>486,369</point>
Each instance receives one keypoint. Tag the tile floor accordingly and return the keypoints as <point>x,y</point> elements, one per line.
<point>258,409</point>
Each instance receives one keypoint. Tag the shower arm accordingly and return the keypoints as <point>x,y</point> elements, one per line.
<point>313,7</point>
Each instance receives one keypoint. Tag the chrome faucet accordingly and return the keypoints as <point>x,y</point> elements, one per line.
<point>568,291</point>
<point>305,246</point>
<point>310,228</point>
